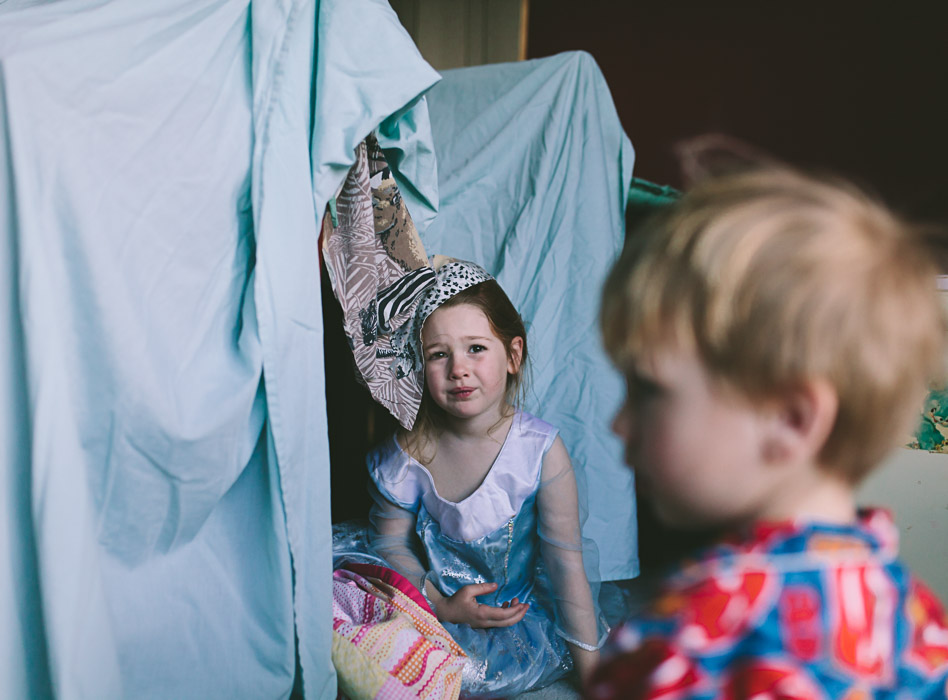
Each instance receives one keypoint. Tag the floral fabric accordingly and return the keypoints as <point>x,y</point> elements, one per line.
<point>378,271</point>
<point>790,612</point>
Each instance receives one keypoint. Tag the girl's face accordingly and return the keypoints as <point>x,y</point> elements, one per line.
<point>466,365</point>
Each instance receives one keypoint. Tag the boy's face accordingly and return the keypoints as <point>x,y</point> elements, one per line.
<point>696,447</point>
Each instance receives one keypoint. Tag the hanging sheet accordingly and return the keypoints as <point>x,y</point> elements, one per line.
<point>165,474</point>
<point>534,173</point>
<point>127,244</point>
<point>368,77</point>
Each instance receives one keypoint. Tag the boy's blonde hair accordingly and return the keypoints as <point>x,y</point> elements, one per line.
<point>773,278</point>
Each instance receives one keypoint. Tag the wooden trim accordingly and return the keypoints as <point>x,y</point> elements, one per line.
<point>524,19</point>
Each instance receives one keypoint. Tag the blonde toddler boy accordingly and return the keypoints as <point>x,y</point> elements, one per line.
<point>777,334</point>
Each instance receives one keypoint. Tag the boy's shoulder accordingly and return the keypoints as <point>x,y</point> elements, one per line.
<point>806,610</point>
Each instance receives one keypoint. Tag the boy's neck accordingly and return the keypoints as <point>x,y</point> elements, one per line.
<point>820,496</point>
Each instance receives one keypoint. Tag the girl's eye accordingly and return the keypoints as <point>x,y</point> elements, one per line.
<point>436,355</point>
<point>478,348</point>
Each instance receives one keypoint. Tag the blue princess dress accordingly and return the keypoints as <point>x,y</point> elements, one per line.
<point>519,529</point>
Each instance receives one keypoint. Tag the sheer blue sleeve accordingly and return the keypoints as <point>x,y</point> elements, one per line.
<point>567,555</point>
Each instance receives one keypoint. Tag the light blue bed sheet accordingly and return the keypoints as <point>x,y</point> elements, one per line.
<point>165,486</point>
<point>164,493</point>
<point>534,173</point>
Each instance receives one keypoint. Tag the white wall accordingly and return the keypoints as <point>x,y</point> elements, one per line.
<point>914,486</point>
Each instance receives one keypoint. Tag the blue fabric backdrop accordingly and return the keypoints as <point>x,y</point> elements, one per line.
<point>164,493</point>
<point>165,472</point>
<point>534,173</point>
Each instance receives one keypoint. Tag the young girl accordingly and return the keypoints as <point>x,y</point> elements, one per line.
<point>477,504</point>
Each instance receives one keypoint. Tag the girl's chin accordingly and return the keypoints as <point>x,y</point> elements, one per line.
<point>460,409</point>
<point>467,410</point>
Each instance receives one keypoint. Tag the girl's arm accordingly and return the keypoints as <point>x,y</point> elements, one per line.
<point>392,536</point>
<point>561,545</point>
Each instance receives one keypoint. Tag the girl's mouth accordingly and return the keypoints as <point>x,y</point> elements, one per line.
<point>461,392</point>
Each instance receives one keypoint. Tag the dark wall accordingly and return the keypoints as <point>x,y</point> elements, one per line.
<point>356,422</point>
<point>855,88</point>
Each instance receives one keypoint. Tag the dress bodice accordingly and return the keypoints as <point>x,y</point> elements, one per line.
<point>490,536</point>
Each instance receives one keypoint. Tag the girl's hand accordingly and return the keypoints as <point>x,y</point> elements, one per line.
<point>463,608</point>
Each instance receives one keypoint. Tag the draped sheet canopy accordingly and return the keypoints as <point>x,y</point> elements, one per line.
<point>165,519</point>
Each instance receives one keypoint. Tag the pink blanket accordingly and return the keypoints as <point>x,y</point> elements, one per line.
<point>387,643</point>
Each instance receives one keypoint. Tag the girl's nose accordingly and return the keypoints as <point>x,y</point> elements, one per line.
<point>458,368</point>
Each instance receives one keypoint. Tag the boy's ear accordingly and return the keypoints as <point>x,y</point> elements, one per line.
<point>802,420</point>
<point>515,355</point>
